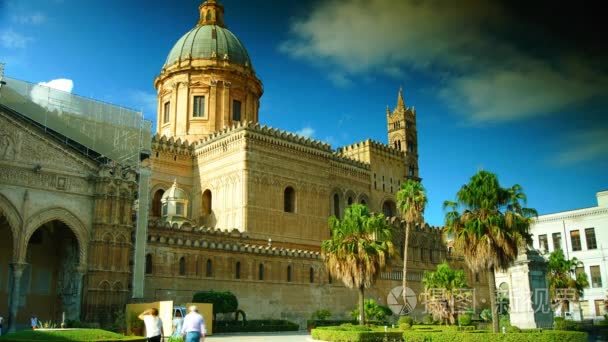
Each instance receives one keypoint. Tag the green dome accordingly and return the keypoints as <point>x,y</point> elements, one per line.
<point>209,41</point>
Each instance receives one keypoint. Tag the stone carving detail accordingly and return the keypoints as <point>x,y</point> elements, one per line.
<point>9,147</point>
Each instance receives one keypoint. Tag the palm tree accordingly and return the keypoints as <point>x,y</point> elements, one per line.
<point>491,227</point>
<point>411,201</point>
<point>359,248</point>
<point>564,282</point>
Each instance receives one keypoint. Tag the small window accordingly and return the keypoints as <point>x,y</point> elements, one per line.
<point>237,270</point>
<point>166,112</point>
<point>575,238</point>
<point>590,237</point>
<point>148,263</point>
<point>209,270</point>
<point>579,270</point>
<point>399,145</point>
<point>363,202</point>
<point>182,266</point>
<point>411,171</point>
<point>156,203</point>
<point>477,277</point>
<point>410,146</point>
<point>236,110</point>
<point>557,241</point>
<point>289,200</point>
<point>596,276</point>
<point>198,110</point>
<point>350,200</point>
<point>164,211</point>
<point>261,272</point>
<point>207,202</point>
<point>179,209</point>
<point>289,273</point>
<point>543,244</point>
<point>311,275</point>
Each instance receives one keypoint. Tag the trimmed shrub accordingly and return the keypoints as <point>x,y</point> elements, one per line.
<point>465,320</point>
<point>560,323</point>
<point>321,315</point>
<point>373,311</point>
<point>348,333</point>
<point>484,336</point>
<point>223,302</point>
<point>428,319</point>
<point>407,320</point>
<point>260,325</point>
<point>313,323</point>
<point>68,335</point>
<point>513,329</point>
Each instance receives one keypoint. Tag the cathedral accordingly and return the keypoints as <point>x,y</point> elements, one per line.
<point>218,202</point>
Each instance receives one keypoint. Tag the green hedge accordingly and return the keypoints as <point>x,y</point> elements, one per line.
<point>354,334</point>
<point>254,326</point>
<point>483,336</point>
<point>313,323</point>
<point>68,335</point>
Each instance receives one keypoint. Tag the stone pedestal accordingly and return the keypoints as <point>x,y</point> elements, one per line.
<point>528,292</point>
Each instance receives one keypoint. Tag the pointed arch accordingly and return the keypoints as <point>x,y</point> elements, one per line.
<point>60,214</point>
<point>8,210</point>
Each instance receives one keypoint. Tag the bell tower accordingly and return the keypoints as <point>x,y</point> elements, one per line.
<point>402,133</point>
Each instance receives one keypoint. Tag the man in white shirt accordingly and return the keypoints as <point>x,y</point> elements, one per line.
<point>194,326</point>
<point>153,323</point>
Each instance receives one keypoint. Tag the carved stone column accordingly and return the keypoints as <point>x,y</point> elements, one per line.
<point>78,280</point>
<point>17,269</point>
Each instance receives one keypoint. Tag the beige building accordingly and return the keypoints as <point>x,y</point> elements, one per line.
<point>234,205</point>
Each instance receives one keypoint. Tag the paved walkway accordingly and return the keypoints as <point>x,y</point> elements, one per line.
<point>291,336</point>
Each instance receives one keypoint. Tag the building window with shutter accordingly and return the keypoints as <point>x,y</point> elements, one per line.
<point>543,244</point>
<point>575,238</point>
<point>557,241</point>
<point>596,276</point>
<point>236,110</point>
<point>166,109</point>
<point>198,109</point>
<point>590,237</point>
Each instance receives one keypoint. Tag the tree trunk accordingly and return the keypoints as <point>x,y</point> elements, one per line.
<point>492,288</point>
<point>405,246</point>
<point>361,305</point>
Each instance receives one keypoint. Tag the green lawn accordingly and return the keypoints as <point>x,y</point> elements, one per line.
<point>68,335</point>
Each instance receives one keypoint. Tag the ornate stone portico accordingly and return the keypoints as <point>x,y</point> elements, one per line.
<point>56,205</point>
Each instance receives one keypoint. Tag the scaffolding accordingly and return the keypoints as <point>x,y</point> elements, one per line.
<point>107,132</point>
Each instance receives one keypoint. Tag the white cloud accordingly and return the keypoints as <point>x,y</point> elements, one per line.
<point>13,40</point>
<point>62,84</point>
<point>36,18</point>
<point>307,131</point>
<point>483,77</point>
<point>584,146</point>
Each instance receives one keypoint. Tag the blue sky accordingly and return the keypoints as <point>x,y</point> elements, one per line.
<point>523,102</point>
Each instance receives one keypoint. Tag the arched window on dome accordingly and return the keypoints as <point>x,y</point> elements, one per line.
<point>289,200</point>
<point>182,266</point>
<point>156,204</point>
<point>261,272</point>
<point>311,275</point>
<point>207,202</point>
<point>208,16</point>
<point>289,273</point>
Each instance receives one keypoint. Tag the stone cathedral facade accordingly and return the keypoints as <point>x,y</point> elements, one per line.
<point>234,205</point>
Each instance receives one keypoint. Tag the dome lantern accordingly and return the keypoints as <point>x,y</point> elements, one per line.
<point>211,13</point>
<point>174,204</point>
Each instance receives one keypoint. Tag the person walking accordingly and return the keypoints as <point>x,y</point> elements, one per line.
<point>1,320</point>
<point>34,322</point>
<point>153,323</point>
<point>194,326</point>
<point>178,321</point>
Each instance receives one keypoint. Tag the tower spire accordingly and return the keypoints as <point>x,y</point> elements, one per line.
<point>400,102</point>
